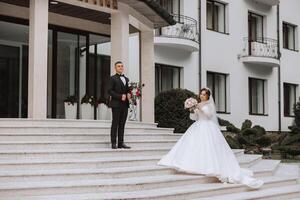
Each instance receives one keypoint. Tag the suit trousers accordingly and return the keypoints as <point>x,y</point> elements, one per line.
<point>119,117</point>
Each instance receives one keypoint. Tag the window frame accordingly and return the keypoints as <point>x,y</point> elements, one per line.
<point>250,96</point>
<point>285,36</point>
<point>285,108</point>
<point>214,74</point>
<point>250,17</point>
<point>159,66</point>
<point>213,16</point>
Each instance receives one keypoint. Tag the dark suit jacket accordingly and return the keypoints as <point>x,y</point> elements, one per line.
<point>115,89</point>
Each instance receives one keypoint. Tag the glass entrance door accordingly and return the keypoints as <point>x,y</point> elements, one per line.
<point>13,100</point>
<point>67,60</point>
<point>78,69</point>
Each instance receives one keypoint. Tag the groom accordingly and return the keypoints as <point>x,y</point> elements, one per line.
<point>118,90</point>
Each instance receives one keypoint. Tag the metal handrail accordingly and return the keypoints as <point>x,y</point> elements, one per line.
<point>185,28</point>
<point>260,47</point>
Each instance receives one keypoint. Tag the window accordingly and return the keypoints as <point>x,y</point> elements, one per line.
<point>166,77</point>
<point>289,36</point>
<point>256,27</point>
<point>257,96</point>
<point>215,16</point>
<point>217,83</point>
<point>289,95</point>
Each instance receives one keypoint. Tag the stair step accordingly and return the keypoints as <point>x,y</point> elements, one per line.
<point>100,185</point>
<point>67,122</point>
<point>248,160</point>
<point>84,162</point>
<point>75,144</point>
<point>285,192</point>
<point>79,153</point>
<point>80,136</point>
<point>185,187</point>
<point>79,129</point>
<point>265,167</point>
<point>28,175</point>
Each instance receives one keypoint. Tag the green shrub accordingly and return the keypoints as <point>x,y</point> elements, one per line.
<point>223,122</point>
<point>260,130</point>
<point>264,141</point>
<point>246,124</point>
<point>233,143</point>
<point>169,109</point>
<point>232,128</point>
<point>291,139</point>
<point>295,128</point>
<point>291,150</point>
<point>249,132</point>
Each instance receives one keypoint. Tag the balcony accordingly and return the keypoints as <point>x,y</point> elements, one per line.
<point>262,51</point>
<point>183,35</point>
<point>268,2</point>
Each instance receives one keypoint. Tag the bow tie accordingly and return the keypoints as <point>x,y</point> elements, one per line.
<point>120,75</point>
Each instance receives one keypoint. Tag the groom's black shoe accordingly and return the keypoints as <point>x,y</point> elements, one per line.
<point>123,146</point>
<point>114,146</point>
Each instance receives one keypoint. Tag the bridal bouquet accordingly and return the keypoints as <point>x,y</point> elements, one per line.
<point>135,91</point>
<point>191,104</point>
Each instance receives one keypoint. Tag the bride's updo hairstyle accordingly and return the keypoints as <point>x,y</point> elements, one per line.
<point>206,91</point>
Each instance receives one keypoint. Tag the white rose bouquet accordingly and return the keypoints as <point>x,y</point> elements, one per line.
<point>191,104</point>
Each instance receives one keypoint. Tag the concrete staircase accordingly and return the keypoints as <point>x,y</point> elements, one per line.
<point>72,160</point>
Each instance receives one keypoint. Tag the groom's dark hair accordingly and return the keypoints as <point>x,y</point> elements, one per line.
<point>118,62</point>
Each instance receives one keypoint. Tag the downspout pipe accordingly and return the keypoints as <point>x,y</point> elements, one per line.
<point>199,41</point>
<point>279,69</point>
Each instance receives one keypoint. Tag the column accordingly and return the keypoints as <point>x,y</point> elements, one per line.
<point>120,39</point>
<point>38,48</point>
<point>147,75</point>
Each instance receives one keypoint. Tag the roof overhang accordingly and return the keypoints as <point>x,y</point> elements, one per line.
<point>152,11</point>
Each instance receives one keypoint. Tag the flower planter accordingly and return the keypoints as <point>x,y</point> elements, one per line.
<point>87,111</point>
<point>70,110</point>
<point>109,114</point>
<point>101,111</point>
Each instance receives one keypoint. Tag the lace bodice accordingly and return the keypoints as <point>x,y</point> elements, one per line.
<point>203,112</point>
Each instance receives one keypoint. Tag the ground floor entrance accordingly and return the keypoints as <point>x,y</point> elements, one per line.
<point>78,65</point>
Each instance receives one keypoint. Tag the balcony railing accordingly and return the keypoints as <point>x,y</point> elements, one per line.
<point>185,28</point>
<point>112,4</point>
<point>261,47</point>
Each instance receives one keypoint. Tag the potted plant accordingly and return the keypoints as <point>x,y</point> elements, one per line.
<point>70,104</point>
<point>87,110</point>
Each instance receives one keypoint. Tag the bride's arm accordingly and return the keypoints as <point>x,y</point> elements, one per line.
<point>206,109</point>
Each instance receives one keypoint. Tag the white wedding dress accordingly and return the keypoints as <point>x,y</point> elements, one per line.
<point>203,150</point>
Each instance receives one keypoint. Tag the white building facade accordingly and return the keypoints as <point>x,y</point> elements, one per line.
<point>229,46</point>
<point>53,51</point>
<point>237,57</point>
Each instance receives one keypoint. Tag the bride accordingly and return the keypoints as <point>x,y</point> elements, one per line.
<point>204,150</point>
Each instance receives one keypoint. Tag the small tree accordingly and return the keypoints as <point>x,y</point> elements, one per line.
<point>295,128</point>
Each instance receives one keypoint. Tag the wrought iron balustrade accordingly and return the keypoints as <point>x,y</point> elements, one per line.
<point>185,28</point>
<point>260,47</point>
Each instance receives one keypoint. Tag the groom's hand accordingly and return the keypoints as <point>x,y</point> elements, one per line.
<point>128,96</point>
<point>123,97</point>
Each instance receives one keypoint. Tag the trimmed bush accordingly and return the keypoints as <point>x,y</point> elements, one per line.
<point>232,128</point>
<point>264,141</point>
<point>260,130</point>
<point>169,109</point>
<point>233,143</point>
<point>295,128</point>
<point>246,124</point>
<point>290,139</point>
<point>223,122</point>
